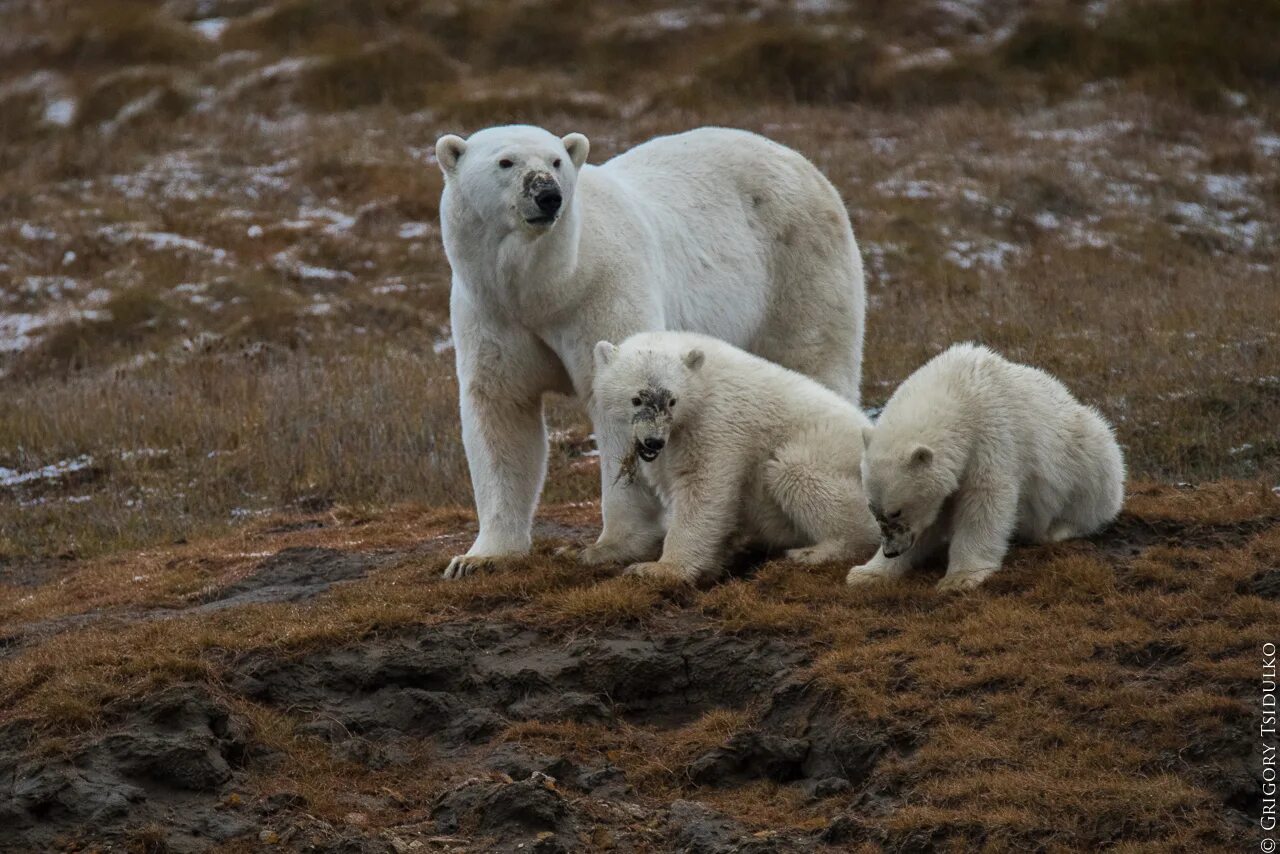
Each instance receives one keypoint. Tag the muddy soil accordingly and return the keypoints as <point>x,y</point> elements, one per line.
<point>174,760</point>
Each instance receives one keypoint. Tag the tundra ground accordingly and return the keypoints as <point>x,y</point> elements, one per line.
<point>230,467</point>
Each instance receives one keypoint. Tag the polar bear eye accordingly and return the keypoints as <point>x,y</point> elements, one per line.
<point>556,163</point>
<point>894,515</point>
<point>672,403</point>
<point>635,401</point>
<point>504,163</point>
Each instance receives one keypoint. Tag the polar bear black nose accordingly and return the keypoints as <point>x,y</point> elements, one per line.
<point>548,201</point>
<point>652,444</point>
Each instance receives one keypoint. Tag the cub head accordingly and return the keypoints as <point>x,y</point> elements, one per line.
<point>517,177</point>
<point>646,388</point>
<point>906,484</point>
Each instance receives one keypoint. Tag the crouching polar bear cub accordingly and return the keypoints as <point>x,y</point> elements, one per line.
<point>738,449</point>
<point>975,449</point>
<point>716,231</point>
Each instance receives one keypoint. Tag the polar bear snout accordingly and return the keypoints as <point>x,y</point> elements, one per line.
<point>649,447</point>
<point>548,201</point>
<point>543,198</point>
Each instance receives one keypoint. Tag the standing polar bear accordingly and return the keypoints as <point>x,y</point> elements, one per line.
<point>714,230</point>
<point>737,448</point>
<point>975,449</point>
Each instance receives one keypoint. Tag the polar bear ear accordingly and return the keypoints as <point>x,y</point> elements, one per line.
<point>866,438</point>
<point>577,146</point>
<point>922,455</point>
<point>694,359</point>
<point>449,150</point>
<point>605,352</point>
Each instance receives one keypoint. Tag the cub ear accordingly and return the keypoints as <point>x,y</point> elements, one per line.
<point>866,438</point>
<point>577,146</point>
<point>449,150</point>
<point>694,359</point>
<point>922,455</point>
<point>604,353</point>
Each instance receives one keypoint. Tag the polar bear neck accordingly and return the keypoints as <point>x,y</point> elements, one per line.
<point>510,268</point>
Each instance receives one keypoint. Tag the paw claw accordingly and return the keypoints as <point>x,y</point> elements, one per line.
<point>462,566</point>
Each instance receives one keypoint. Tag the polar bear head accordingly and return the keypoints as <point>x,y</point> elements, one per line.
<point>645,387</point>
<point>513,177</point>
<point>906,483</point>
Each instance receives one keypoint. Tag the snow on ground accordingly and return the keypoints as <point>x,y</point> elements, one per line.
<point>55,471</point>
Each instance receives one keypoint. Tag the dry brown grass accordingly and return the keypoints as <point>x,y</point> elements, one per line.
<point>1044,707</point>
<point>236,401</point>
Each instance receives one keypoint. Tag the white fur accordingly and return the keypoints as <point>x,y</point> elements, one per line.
<point>976,450</point>
<point>751,453</point>
<point>715,231</point>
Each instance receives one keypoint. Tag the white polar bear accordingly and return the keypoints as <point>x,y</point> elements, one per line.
<point>716,231</point>
<point>975,450</point>
<point>738,449</point>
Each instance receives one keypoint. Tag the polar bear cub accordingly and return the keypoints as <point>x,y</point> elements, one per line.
<point>738,449</point>
<point>975,450</point>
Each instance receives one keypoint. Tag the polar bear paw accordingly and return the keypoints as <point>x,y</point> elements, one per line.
<point>820,553</point>
<point>600,554</point>
<point>965,579</point>
<point>660,570</point>
<point>463,565</point>
<point>870,573</point>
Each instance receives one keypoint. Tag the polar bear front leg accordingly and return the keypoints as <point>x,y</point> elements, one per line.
<point>881,568</point>
<point>704,514</point>
<point>632,514</point>
<point>985,519</point>
<point>502,374</point>
<point>828,506</point>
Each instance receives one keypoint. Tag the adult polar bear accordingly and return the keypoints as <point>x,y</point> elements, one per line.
<point>716,231</point>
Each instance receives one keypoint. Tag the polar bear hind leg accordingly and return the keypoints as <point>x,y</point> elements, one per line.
<point>827,506</point>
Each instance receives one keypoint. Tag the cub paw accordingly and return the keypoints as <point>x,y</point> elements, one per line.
<point>820,553</point>
<point>868,574</point>
<point>658,569</point>
<point>956,580</point>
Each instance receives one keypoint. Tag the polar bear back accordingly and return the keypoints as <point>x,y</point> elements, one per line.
<point>737,230</point>
<point>971,404</point>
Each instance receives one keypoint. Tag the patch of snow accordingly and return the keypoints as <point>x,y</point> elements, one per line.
<point>414,230</point>
<point>12,477</point>
<point>1268,144</point>
<point>285,263</point>
<point>338,221</point>
<point>36,232</point>
<point>967,254</point>
<point>54,287</point>
<point>60,112</point>
<point>160,241</point>
<point>1091,135</point>
<point>254,231</point>
<point>68,257</point>
<point>17,331</point>
<point>909,189</point>
<point>211,28</point>
<point>1232,188</point>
